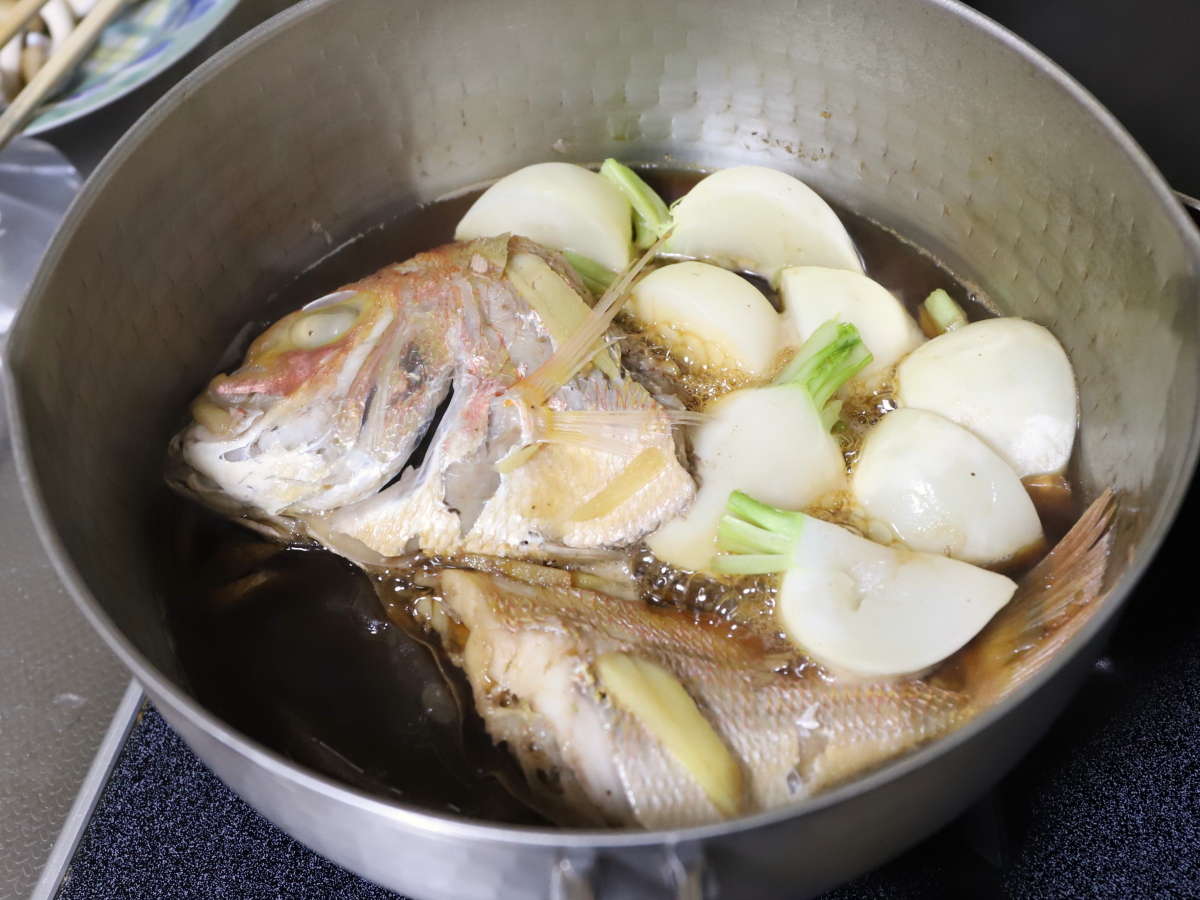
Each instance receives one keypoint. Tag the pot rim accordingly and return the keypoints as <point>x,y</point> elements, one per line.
<point>448,825</point>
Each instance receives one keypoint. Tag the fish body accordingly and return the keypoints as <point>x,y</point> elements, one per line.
<point>332,400</point>
<point>531,654</point>
<point>456,502</point>
<point>536,656</point>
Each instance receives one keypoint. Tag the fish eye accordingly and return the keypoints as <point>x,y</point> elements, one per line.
<point>322,327</point>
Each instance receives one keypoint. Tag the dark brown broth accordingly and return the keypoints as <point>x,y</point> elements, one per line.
<point>293,647</point>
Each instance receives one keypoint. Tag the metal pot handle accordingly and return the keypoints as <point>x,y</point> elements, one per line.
<point>1190,202</point>
<point>684,876</point>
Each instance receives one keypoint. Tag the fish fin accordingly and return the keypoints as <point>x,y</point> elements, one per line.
<point>577,350</point>
<point>622,432</point>
<point>1052,603</point>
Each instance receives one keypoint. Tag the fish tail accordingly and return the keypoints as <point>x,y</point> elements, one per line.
<point>577,350</point>
<point>1052,604</point>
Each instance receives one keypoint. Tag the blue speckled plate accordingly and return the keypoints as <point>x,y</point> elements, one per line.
<point>146,38</point>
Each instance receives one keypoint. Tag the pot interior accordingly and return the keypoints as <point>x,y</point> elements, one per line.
<point>911,115</point>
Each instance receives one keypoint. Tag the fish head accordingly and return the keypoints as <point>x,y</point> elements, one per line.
<point>288,362</point>
<point>322,410</point>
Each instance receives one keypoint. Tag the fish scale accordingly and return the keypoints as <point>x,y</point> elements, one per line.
<point>759,713</point>
<point>660,792</point>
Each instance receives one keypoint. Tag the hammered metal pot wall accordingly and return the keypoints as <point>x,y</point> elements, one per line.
<point>340,113</point>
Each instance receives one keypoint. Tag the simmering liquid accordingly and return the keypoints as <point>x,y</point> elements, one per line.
<point>293,646</point>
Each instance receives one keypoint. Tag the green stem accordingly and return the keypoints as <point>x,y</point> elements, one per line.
<point>738,536</point>
<point>596,278</point>
<point>768,517</point>
<point>829,358</point>
<point>651,217</point>
<point>830,413</point>
<point>757,538</point>
<point>943,313</point>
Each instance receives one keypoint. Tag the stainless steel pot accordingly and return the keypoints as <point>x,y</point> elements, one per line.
<point>330,118</point>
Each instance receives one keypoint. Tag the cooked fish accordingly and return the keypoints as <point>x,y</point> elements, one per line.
<point>624,714</point>
<point>332,400</point>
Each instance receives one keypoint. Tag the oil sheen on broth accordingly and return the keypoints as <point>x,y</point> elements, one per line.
<point>294,647</point>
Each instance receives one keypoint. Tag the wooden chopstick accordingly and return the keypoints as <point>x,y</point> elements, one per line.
<point>78,42</point>
<point>18,17</point>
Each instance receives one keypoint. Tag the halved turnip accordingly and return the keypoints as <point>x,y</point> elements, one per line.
<point>1008,381</point>
<point>773,441</point>
<point>939,489</point>
<point>561,206</point>
<point>813,295</point>
<point>710,317</point>
<point>852,604</point>
<point>759,220</point>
